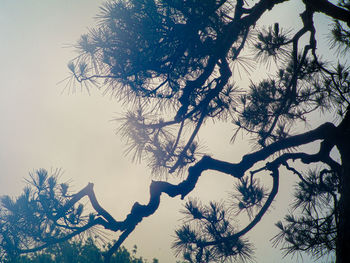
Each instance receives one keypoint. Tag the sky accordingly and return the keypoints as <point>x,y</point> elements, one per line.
<point>44,125</point>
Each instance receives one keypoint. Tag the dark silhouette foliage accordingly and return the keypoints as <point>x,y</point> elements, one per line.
<point>173,64</point>
<point>78,252</point>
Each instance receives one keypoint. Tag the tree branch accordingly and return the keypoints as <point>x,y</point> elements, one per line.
<point>237,170</point>
<point>330,9</point>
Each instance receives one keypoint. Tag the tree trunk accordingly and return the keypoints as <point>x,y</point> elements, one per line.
<point>343,235</point>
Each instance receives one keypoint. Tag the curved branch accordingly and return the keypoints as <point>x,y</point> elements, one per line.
<point>207,163</point>
<point>257,218</point>
<point>88,191</point>
<point>330,9</point>
<point>237,170</point>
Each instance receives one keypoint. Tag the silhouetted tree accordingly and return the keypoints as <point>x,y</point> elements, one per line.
<point>78,252</point>
<point>172,62</point>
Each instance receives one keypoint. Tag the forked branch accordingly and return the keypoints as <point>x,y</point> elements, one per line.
<point>237,170</point>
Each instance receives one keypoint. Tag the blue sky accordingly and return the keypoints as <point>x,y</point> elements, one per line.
<point>44,125</point>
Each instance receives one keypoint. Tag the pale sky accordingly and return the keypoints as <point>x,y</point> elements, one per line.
<point>45,126</point>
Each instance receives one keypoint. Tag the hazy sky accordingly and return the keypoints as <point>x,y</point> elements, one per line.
<point>42,125</point>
